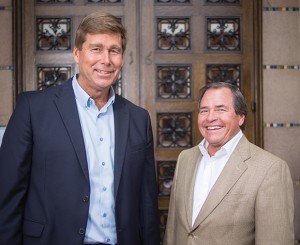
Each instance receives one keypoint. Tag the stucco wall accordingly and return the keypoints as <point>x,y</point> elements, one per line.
<point>6,72</point>
<point>281,87</point>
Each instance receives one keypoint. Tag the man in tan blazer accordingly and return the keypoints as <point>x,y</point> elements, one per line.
<point>226,190</point>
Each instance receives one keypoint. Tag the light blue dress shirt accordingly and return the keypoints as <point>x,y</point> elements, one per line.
<point>99,139</point>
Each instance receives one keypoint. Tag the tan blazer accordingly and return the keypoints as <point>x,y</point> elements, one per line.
<point>252,202</point>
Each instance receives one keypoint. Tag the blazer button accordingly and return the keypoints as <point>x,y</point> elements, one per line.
<point>85,198</point>
<point>81,231</point>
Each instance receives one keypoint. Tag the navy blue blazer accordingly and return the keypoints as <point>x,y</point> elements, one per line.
<point>44,181</point>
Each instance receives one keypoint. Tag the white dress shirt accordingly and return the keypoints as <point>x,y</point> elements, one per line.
<point>99,139</point>
<point>209,169</point>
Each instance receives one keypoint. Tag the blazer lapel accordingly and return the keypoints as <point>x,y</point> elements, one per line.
<point>121,115</point>
<point>66,105</point>
<point>190,176</point>
<point>231,173</point>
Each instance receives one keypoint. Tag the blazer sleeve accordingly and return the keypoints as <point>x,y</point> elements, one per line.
<point>150,219</point>
<point>274,208</point>
<point>15,165</point>
<point>169,237</point>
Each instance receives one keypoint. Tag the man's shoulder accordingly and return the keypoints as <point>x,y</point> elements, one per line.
<point>190,152</point>
<point>130,105</point>
<point>263,156</point>
<point>46,92</point>
<point>260,152</point>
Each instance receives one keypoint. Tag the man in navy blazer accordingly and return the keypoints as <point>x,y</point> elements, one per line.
<point>77,161</point>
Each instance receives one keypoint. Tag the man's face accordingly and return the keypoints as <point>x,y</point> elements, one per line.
<point>100,61</point>
<point>217,120</point>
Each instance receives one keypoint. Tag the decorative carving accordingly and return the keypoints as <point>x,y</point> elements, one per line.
<point>174,130</point>
<point>53,33</point>
<point>52,76</point>
<point>173,33</point>
<point>165,173</point>
<point>223,34</point>
<point>173,81</point>
<point>230,73</point>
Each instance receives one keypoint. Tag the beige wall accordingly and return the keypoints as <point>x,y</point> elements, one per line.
<point>6,89</point>
<point>281,87</point>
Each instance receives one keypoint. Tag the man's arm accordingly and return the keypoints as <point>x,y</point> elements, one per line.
<point>150,218</point>
<point>169,238</point>
<point>274,209</point>
<point>15,164</point>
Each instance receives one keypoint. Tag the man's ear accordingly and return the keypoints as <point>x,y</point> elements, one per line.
<point>76,54</point>
<point>242,119</point>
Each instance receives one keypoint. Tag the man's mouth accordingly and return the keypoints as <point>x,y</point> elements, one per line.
<point>104,72</point>
<point>213,127</point>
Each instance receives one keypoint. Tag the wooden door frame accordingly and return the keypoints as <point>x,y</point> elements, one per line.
<point>258,81</point>
<point>17,48</point>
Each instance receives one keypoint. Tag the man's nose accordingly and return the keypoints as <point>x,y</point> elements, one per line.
<point>212,115</point>
<point>105,57</point>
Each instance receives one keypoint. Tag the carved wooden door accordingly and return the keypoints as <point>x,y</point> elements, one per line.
<point>183,45</point>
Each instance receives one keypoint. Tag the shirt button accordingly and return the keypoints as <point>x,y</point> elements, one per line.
<point>107,240</point>
<point>81,231</point>
<point>101,139</point>
<point>103,163</point>
<point>104,215</point>
<point>85,199</point>
<point>104,188</point>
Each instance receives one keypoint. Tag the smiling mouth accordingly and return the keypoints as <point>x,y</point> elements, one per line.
<point>104,72</point>
<point>213,127</point>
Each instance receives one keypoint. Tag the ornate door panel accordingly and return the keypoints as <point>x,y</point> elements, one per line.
<point>185,44</point>
<point>174,48</point>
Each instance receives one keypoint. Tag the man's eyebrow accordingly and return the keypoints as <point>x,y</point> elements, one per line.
<point>203,107</point>
<point>95,45</point>
<point>222,107</point>
<point>217,106</point>
<point>116,47</point>
<point>100,45</point>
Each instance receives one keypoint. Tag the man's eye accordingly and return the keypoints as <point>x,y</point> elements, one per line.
<point>115,51</point>
<point>96,50</point>
<point>203,111</point>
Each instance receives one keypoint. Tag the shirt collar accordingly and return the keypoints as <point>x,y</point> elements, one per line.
<point>85,100</point>
<point>227,148</point>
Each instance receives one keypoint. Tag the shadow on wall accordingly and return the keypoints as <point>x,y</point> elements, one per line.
<point>2,129</point>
